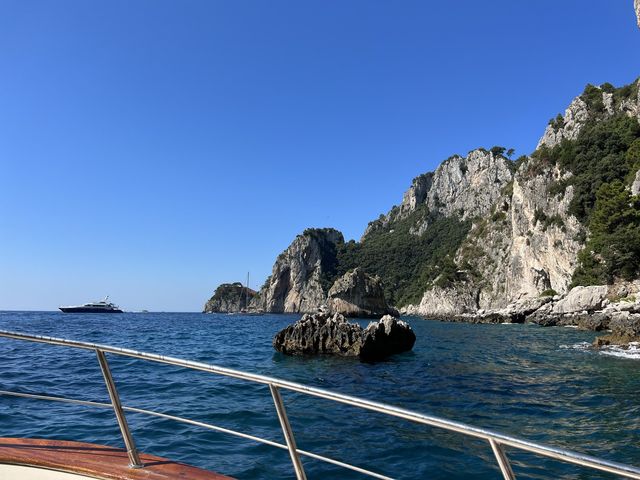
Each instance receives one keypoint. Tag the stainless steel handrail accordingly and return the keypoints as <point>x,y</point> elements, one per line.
<point>497,441</point>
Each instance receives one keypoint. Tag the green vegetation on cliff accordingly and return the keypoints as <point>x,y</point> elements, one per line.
<point>407,261</point>
<point>603,160</point>
<point>229,297</point>
<point>604,151</point>
<point>613,248</point>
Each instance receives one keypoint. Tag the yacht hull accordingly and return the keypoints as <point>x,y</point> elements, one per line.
<point>90,310</point>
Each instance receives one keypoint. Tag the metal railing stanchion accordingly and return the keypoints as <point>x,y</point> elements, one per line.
<point>134,457</point>
<point>503,461</point>
<point>288,433</point>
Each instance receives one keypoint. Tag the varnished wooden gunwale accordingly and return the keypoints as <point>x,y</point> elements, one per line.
<point>96,461</point>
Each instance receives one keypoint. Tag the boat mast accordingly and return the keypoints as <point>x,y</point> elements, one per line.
<point>246,294</point>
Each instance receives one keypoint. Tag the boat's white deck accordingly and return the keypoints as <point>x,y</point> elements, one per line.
<point>19,472</point>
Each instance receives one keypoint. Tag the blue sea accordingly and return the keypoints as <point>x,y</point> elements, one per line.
<point>537,383</point>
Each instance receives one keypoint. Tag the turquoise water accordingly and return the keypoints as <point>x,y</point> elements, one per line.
<point>522,380</point>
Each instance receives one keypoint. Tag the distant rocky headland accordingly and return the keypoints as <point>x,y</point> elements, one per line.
<point>230,298</point>
<point>490,237</point>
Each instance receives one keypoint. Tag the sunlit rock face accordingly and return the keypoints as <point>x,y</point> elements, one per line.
<point>526,241</point>
<point>295,284</point>
<point>466,187</point>
<point>358,294</point>
<point>326,334</point>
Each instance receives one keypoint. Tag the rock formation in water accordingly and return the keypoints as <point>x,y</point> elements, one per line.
<point>358,294</point>
<point>298,278</point>
<point>229,298</point>
<point>612,308</point>
<point>386,337</point>
<point>321,333</point>
<point>326,334</point>
<point>305,279</point>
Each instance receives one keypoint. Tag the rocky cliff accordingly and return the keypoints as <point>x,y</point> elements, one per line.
<point>464,187</point>
<point>229,298</point>
<point>358,294</point>
<point>298,281</point>
<point>530,242</point>
<point>483,233</point>
<point>636,3</point>
<point>307,277</point>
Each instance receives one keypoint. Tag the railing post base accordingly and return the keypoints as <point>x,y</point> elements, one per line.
<point>288,433</point>
<point>132,452</point>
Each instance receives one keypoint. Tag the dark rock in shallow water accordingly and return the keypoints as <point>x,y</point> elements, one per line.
<point>595,322</point>
<point>625,329</point>
<point>386,337</point>
<point>322,334</point>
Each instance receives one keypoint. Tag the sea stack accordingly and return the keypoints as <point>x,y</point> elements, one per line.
<point>326,334</point>
<point>229,298</point>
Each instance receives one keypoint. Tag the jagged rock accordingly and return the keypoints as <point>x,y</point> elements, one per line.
<point>229,297</point>
<point>518,311</point>
<point>575,117</point>
<point>625,329</point>
<point>468,186</point>
<point>463,186</point>
<point>386,337</point>
<point>358,294</point>
<point>445,303</point>
<point>295,284</point>
<point>636,4</point>
<point>582,298</point>
<point>595,321</point>
<point>323,333</point>
<point>320,334</point>
<point>625,325</point>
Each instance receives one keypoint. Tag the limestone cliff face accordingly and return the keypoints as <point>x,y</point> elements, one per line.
<point>529,242</point>
<point>296,281</point>
<point>574,118</point>
<point>463,186</point>
<point>441,302</point>
<point>358,294</point>
<point>543,248</point>
<point>468,186</point>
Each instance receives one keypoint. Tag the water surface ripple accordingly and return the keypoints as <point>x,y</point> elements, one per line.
<point>523,380</point>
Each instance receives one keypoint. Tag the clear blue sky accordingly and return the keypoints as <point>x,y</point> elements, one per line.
<point>151,150</point>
